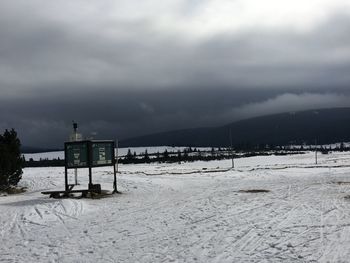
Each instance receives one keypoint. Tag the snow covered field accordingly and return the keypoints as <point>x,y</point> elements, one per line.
<point>190,212</point>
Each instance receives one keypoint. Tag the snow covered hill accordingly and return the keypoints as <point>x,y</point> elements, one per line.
<point>326,125</point>
<point>193,212</point>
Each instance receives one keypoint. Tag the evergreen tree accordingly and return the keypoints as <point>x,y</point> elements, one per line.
<point>165,155</point>
<point>11,162</point>
<point>212,151</point>
<point>185,157</point>
<point>179,156</point>
<point>129,155</point>
<point>146,157</point>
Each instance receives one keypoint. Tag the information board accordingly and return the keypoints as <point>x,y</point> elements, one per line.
<point>84,154</point>
<point>77,154</point>
<point>102,153</point>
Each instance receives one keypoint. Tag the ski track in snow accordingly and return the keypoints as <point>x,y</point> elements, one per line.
<point>191,212</point>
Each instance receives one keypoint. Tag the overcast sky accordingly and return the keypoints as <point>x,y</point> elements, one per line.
<point>122,68</point>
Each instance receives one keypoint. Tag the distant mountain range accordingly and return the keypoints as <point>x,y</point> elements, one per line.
<point>324,125</point>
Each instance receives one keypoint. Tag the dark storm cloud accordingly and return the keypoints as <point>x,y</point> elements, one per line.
<point>125,78</point>
<point>122,113</point>
<point>112,114</point>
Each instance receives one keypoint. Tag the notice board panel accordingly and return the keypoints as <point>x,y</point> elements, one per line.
<point>102,153</point>
<point>77,154</point>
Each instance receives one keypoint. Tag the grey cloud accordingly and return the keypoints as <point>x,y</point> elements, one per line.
<point>135,56</point>
<point>120,113</point>
<point>291,102</point>
<point>124,78</point>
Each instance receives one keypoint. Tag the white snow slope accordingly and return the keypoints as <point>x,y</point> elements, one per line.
<point>189,212</point>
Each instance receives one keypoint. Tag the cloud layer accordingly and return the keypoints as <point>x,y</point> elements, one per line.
<point>125,68</point>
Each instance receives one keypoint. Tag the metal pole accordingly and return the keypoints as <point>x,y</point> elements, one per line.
<point>231,150</point>
<point>315,151</point>
<point>75,127</point>
<point>115,170</point>
<point>115,190</point>
<point>90,158</point>
<point>117,154</point>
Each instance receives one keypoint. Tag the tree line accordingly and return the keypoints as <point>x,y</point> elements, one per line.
<point>12,162</point>
<point>194,154</point>
<point>190,154</point>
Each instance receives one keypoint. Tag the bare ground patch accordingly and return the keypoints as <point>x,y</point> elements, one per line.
<point>254,191</point>
<point>13,190</point>
<point>341,183</point>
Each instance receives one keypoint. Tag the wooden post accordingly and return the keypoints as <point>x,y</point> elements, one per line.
<point>66,179</point>
<point>90,178</point>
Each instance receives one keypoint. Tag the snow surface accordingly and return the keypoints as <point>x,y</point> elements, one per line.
<point>189,212</point>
